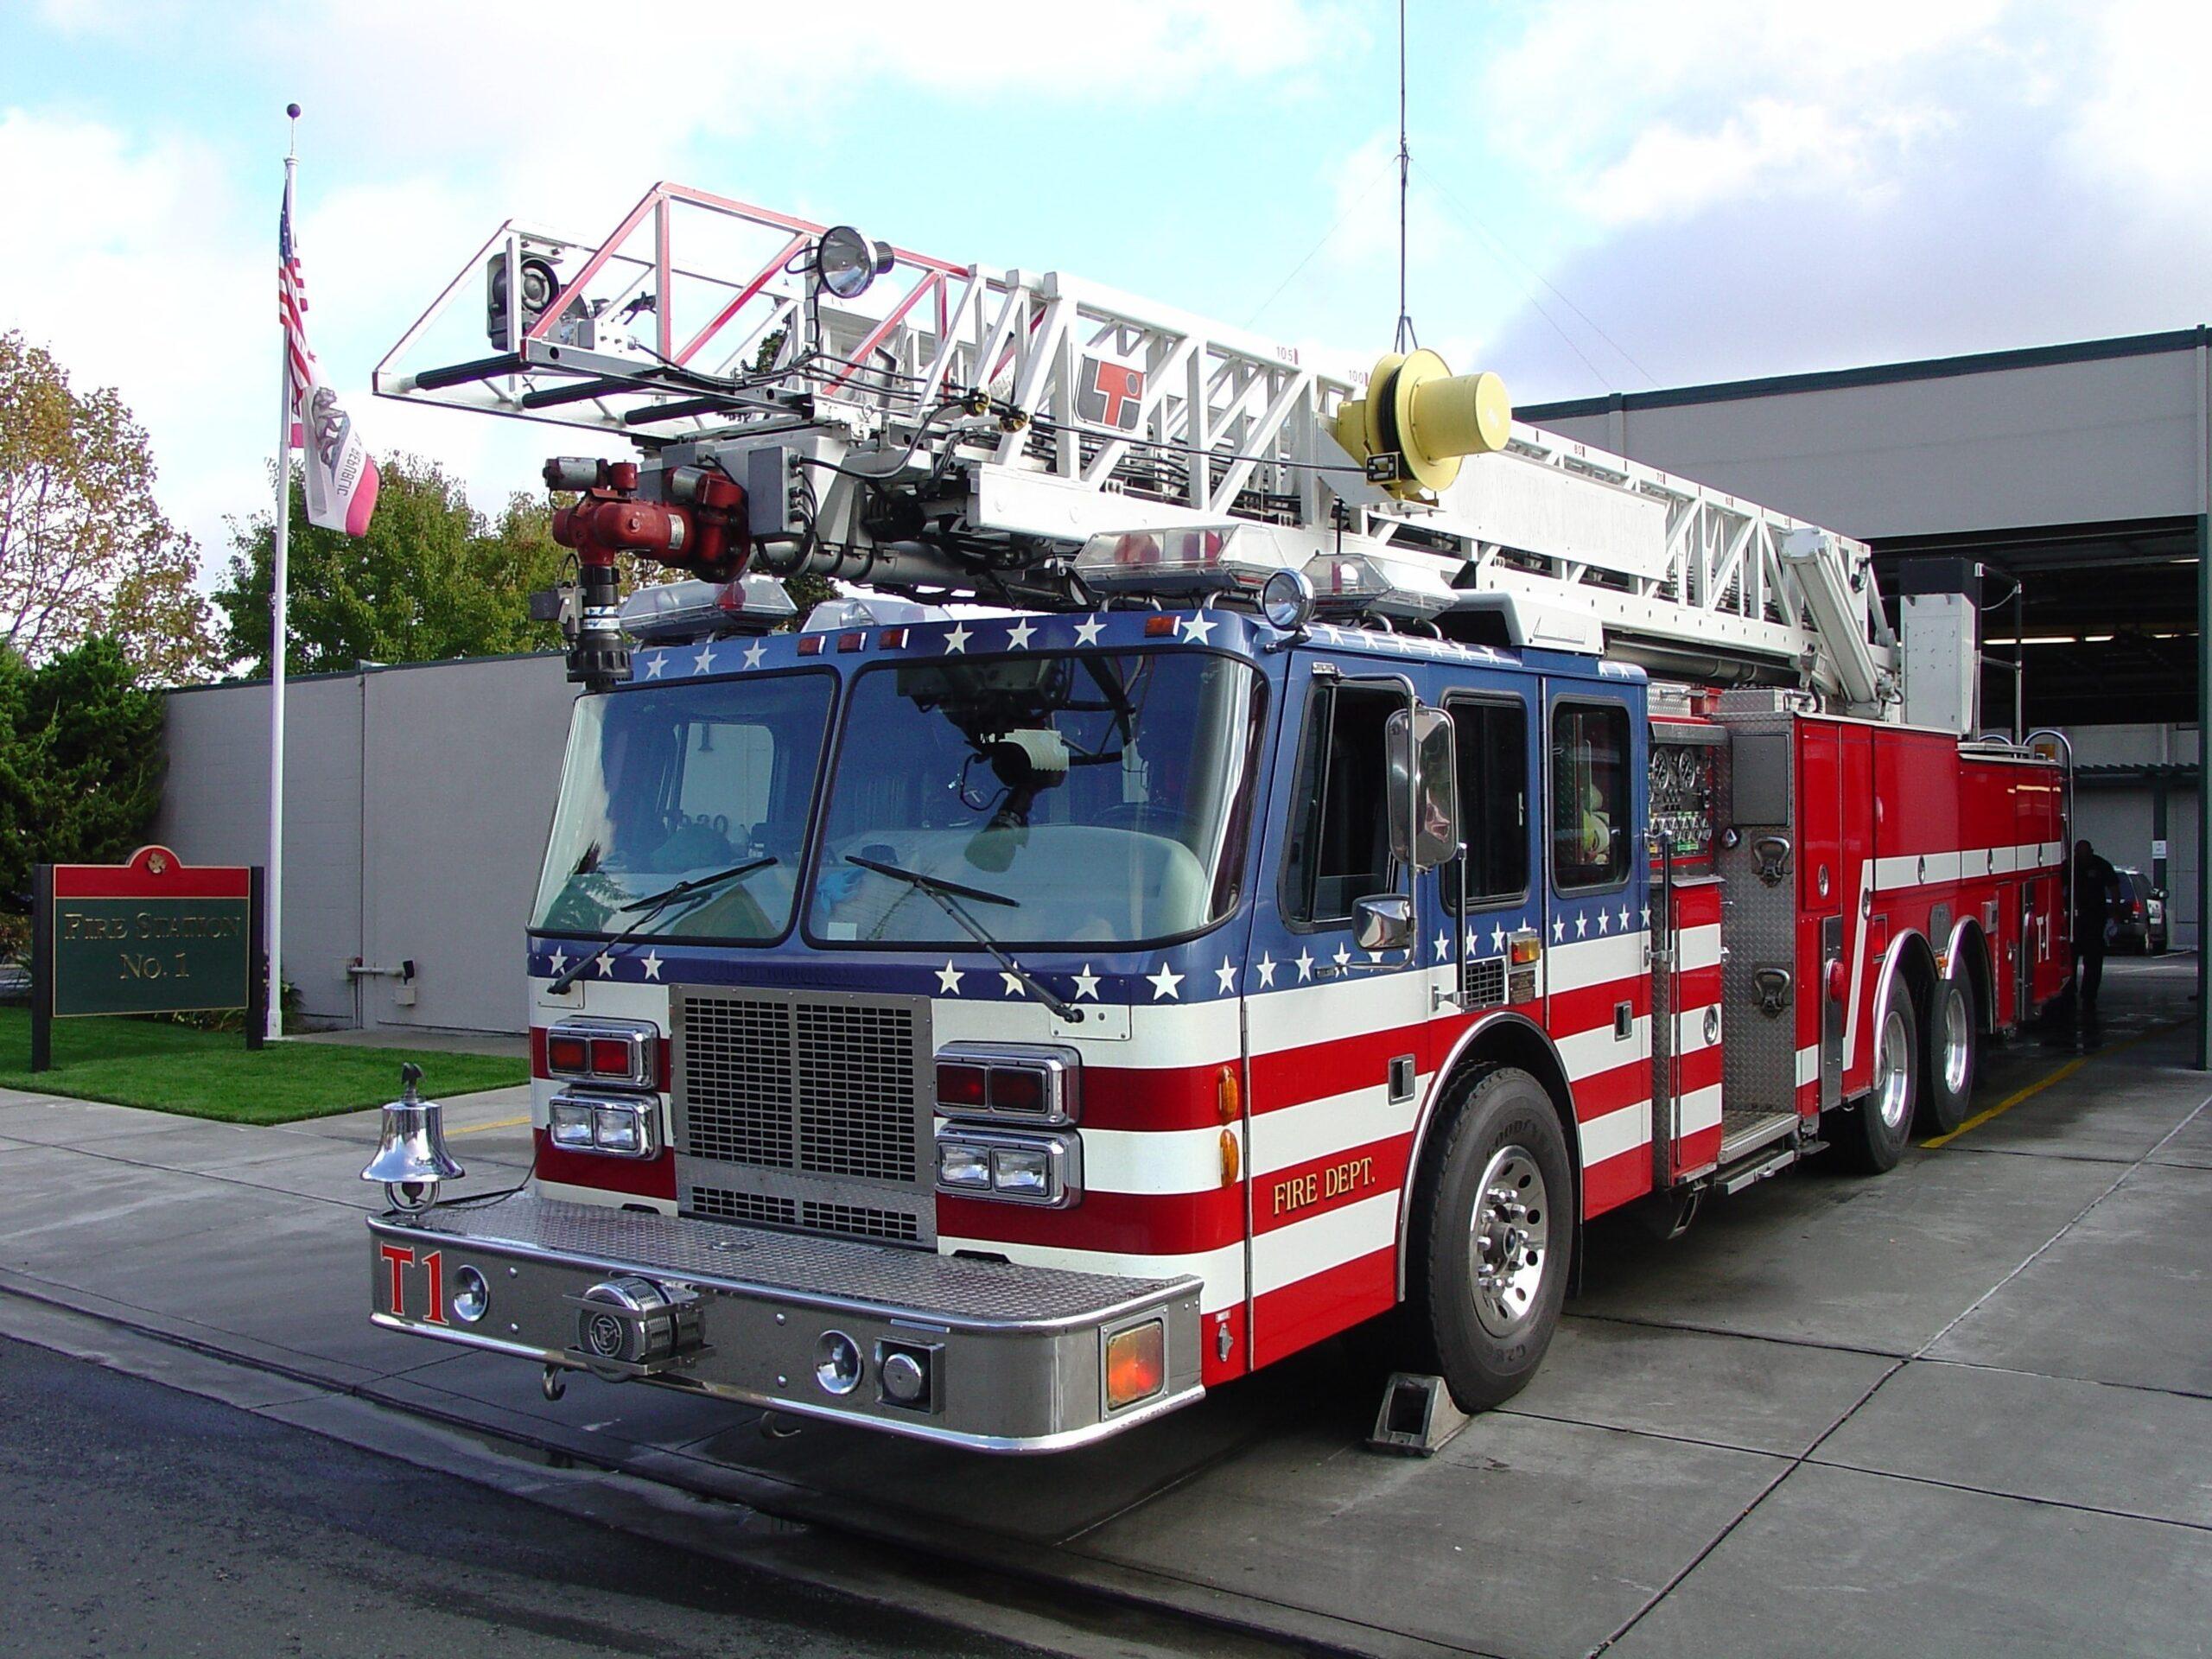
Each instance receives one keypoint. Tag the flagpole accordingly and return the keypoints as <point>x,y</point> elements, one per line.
<point>273,908</point>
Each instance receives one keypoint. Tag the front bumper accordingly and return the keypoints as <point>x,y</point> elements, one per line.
<point>1016,1355</point>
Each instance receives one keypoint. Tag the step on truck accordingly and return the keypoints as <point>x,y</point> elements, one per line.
<point>1255,848</point>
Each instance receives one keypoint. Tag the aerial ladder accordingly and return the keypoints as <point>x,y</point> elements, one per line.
<point>774,395</point>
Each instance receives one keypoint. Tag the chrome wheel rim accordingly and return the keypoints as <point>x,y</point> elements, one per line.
<point>1507,1241</point>
<point>1958,1041</point>
<point>1893,1080</point>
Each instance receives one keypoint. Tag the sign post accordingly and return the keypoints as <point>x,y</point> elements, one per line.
<point>153,936</point>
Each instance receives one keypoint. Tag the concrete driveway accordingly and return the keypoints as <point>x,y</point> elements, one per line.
<point>1964,1408</point>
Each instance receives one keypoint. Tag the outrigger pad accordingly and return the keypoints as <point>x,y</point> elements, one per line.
<point>1418,1418</point>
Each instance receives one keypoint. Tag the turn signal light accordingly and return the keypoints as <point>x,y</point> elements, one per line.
<point>569,1054</point>
<point>1136,1364</point>
<point>1526,948</point>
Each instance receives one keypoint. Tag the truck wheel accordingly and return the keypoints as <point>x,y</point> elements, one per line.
<point>1953,1055</point>
<point>1870,1137</point>
<point>1497,1240</point>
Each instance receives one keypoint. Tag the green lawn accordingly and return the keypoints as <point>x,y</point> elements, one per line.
<point>209,1074</point>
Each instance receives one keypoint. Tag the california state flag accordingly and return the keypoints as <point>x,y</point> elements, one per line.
<point>341,480</point>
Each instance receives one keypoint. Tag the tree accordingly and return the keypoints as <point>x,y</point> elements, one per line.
<point>83,548</point>
<point>433,578</point>
<point>80,764</point>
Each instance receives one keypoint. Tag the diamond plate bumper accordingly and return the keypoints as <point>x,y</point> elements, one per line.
<point>1016,1355</point>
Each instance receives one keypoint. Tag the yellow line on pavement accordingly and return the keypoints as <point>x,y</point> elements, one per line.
<point>481,1129</point>
<point>2058,1075</point>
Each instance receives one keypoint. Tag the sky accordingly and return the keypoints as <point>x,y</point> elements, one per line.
<point>1606,195</point>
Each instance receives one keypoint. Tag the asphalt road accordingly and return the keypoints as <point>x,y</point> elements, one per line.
<point>136,1519</point>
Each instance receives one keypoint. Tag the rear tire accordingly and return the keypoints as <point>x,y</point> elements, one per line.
<point>1952,1060</point>
<point>1495,1242</point>
<point>1871,1136</point>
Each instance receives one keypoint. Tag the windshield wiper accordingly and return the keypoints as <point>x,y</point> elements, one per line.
<point>948,895</point>
<point>654,900</point>
<point>652,905</point>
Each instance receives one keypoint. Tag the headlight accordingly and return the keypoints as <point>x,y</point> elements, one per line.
<point>571,1124</point>
<point>1021,1168</point>
<point>1022,1171</point>
<point>619,1125</point>
<point>962,1166</point>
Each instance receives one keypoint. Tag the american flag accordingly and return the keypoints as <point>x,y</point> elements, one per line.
<point>341,479</point>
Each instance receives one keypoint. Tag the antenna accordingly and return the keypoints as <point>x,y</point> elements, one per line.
<point>1405,338</point>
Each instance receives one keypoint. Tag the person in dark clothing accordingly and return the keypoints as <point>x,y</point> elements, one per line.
<point>2094,881</point>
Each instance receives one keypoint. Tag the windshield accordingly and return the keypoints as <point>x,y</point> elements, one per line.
<point>1098,797</point>
<point>680,783</point>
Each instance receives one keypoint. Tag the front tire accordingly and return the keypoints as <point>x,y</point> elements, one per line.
<point>1871,1135</point>
<point>1953,1058</point>
<point>1496,1240</point>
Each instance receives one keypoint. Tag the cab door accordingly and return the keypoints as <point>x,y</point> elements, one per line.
<point>1598,923</point>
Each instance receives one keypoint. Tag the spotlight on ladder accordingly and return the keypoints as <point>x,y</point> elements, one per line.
<point>411,1159</point>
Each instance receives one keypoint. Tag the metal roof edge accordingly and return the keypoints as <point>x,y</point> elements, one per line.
<point>1933,368</point>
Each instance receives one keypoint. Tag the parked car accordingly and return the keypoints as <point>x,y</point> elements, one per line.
<point>2138,915</point>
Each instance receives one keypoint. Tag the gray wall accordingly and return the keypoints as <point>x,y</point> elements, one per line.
<point>2051,444</point>
<point>416,801</point>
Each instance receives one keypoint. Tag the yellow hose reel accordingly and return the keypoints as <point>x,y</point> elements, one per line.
<point>1419,420</point>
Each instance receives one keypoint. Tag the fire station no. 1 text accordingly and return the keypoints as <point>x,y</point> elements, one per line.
<point>76,924</point>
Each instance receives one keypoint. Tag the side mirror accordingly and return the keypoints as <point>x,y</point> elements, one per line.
<point>1384,922</point>
<point>1423,776</point>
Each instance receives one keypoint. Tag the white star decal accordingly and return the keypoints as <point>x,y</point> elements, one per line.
<point>651,964</point>
<point>606,965</point>
<point>1164,982</point>
<point>656,664</point>
<point>556,962</point>
<point>1474,942</point>
<point>1581,926</point>
<point>1559,930</point>
<point>1443,946</point>
<point>949,978</point>
<point>1647,915</point>
<point>1602,920</point>
<point>1012,984</point>
<point>1498,939</point>
<point>753,653</point>
<point>1305,965</point>
<point>704,660</point>
<point>1226,974</point>
<point>1086,984</point>
<point>1197,630</point>
<point>958,639</point>
<point>1374,956</point>
<point>1018,636</point>
<point>1623,918</point>
<point>1086,632</point>
<point>1342,956</point>
<point>1328,630</point>
<point>1267,966</point>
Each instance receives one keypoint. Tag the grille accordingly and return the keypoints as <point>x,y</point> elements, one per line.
<point>855,1091</point>
<point>1483,985</point>
<point>859,1221</point>
<point>737,1073</point>
<point>757,1208</point>
<point>804,1110</point>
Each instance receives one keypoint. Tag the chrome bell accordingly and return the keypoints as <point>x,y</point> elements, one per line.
<point>412,1159</point>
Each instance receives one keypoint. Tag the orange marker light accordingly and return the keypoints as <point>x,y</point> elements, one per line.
<point>1227,1095</point>
<point>1526,948</point>
<point>1136,1364</point>
<point>1230,1158</point>
<point>1157,625</point>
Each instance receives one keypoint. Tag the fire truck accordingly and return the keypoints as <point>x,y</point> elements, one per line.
<point>1256,848</point>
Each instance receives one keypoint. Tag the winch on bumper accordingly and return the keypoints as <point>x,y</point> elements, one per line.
<point>978,1353</point>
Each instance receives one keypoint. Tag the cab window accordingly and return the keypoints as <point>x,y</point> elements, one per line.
<point>1340,842</point>
<point>1591,836</point>
<point>1492,744</point>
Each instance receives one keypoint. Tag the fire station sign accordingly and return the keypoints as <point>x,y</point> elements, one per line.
<point>153,936</point>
